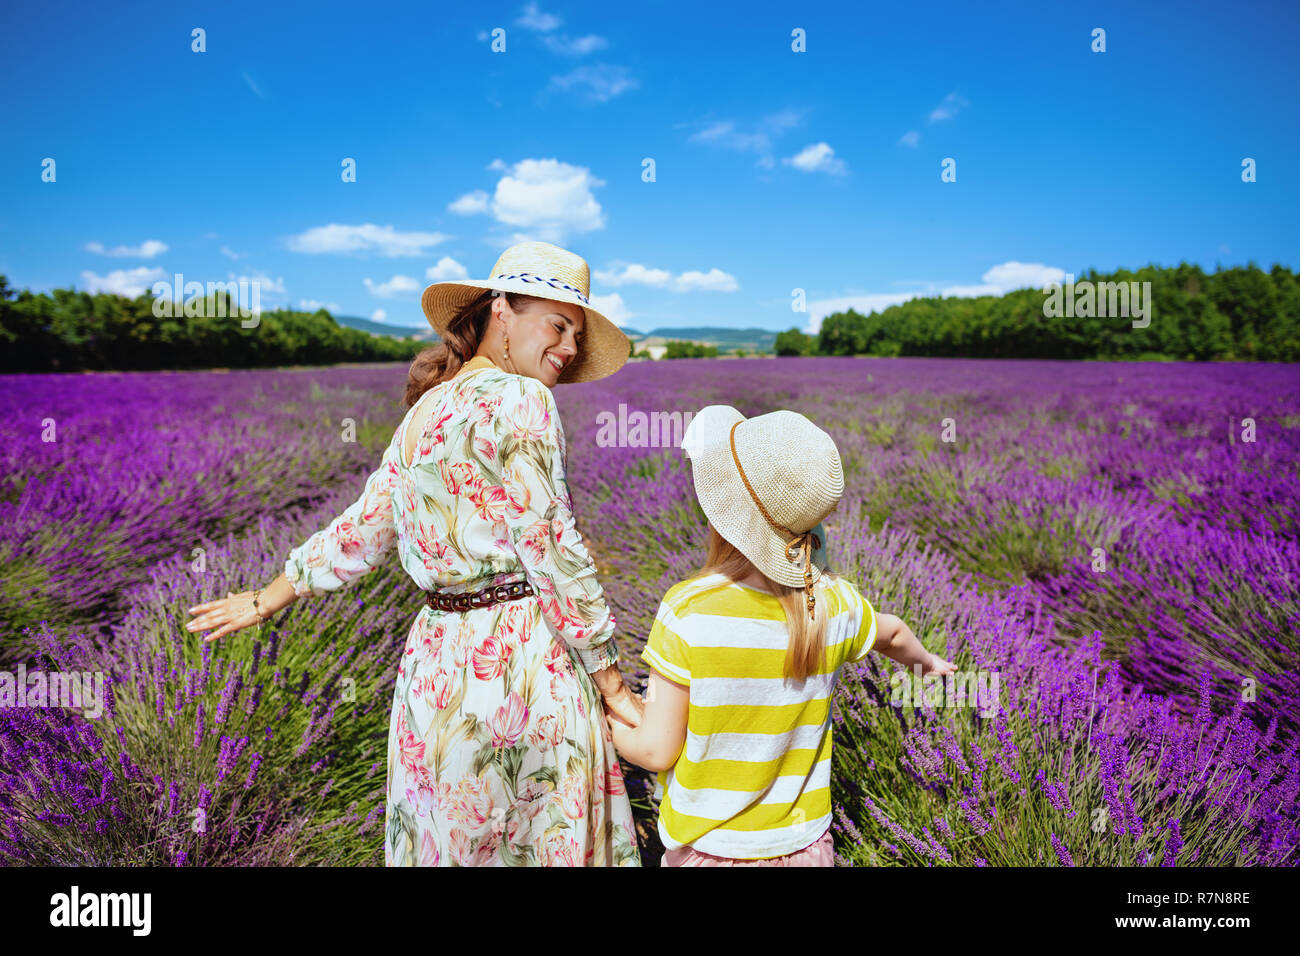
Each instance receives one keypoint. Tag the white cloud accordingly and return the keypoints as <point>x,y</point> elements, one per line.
<point>264,282</point>
<point>549,197</point>
<point>446,270</point>
<point>952,104</point>
<point>397,285</point>
<point>1022,275</point>
<point>816,158</point>
<point>866,304</point>
<point>128,282</point>
<point>727,135</point>
<point>146,250</point>
<point>611,307</point>
<point>497,166</point>
<point>469,204</point>
<point>384,240</point>
<point>534,19</point>
<point>574,46</point>
<point>311,305</point>
<point>634,274</point>
<point>600,82</point>
<point>715,280</point>
<point>231,254</point>
<point>379,315</point>
<point>248,81</point>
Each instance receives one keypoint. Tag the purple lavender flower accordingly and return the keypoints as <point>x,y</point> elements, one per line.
<point>1062,853</point>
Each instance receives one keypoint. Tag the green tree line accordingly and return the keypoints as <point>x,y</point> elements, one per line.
<point>66,331</point>
<point>1242,313</point>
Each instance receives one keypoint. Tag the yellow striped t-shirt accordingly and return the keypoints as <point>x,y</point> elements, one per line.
<point>753,780</point>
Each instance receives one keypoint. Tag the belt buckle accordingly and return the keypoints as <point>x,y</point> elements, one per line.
<point>500,592</point>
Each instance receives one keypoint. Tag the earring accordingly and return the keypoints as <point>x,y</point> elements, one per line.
<point>507,355</point>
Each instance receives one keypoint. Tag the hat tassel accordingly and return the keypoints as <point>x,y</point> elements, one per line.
<point>805,542</point>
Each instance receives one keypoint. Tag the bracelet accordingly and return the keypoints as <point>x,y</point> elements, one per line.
<point>256,609</point>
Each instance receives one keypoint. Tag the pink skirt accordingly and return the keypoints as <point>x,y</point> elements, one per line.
<point>820,853</point>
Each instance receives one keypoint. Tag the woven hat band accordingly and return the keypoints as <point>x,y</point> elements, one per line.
<point>554,283</point>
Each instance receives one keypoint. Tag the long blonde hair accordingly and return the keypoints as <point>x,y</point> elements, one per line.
<point>803,655</point>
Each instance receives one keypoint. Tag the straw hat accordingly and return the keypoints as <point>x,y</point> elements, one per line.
<point>766,483</point>
<point>547,272</point>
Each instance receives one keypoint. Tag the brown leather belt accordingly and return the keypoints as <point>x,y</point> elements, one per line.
<point>487,597</point>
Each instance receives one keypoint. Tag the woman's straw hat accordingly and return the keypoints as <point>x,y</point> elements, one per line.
<point>547,272</point>
<point>766,483</point>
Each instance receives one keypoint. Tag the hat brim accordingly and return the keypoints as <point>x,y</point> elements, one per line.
<point>605,348</point>
<point>727,504</point>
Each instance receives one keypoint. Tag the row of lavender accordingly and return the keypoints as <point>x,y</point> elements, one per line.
<point>999,483</point>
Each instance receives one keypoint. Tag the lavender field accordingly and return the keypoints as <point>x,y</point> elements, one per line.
<point>1117,542</point>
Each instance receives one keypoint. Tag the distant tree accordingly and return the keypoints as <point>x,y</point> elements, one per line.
<point>675,349</point>
<point>1241,313</point>
<point>794,342</point>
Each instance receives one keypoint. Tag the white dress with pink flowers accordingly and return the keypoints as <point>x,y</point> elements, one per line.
<point>498,753</point>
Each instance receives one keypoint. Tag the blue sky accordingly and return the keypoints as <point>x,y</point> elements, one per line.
<point>774,169</point>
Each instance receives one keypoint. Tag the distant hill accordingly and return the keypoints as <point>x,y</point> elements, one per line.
<point>383,328</point>
<point>727,340</point>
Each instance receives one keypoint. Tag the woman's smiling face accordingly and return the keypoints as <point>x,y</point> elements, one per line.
<point>545,336</point>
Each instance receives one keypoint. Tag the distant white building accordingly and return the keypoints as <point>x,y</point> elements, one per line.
<point>656,351</point>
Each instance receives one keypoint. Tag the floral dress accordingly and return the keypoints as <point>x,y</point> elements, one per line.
<point>498,753</point>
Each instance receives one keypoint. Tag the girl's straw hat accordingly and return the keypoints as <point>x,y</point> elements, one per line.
<point>766,484</point>
<point>547,272</point>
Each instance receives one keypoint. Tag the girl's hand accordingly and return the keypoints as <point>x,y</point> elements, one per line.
<point>229,614</point>
<point>625,707</point>
<point>937,665</point>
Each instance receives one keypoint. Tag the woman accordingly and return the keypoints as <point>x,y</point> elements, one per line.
<point>498,750</point>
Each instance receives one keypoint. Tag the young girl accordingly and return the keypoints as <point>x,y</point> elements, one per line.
<point>745,655</point>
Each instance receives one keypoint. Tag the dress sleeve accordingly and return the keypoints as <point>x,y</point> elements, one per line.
<point>539,517</point>
<point>354,543</point>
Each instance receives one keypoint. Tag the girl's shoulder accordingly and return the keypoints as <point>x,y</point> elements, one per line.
<point>685,595</point>
<point>699,584</point>
<point>850,599</point>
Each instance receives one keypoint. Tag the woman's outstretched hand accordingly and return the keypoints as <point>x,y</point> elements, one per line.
<point>229,614</point>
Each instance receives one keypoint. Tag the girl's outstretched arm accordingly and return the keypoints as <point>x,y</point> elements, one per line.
<point>657,742</point>
<point>896,641</point>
